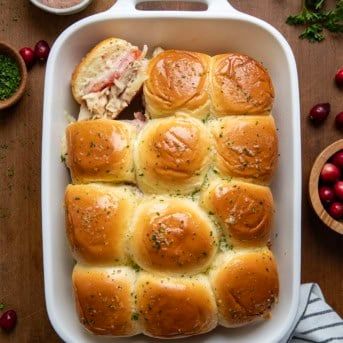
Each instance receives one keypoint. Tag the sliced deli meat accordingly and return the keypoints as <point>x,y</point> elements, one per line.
<point>109,77</point>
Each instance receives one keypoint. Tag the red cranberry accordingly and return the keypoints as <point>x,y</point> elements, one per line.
<point>339,120</point>
<point>336,210</point>
<point>326,195</point>
<point>330,173</point>
<point>319,112</point>
<point>338,187</point>
<point>28,56</point>
<point>339,78</point>
<point>8,320</point>
<point>42,50</point>
<point>337,159</point>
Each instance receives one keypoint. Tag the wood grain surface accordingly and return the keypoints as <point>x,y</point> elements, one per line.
<point>21,263</point>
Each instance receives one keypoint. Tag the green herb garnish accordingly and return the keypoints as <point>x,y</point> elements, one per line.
<point>316,19</point>
<point>9,77</point>
<point>134,316</point>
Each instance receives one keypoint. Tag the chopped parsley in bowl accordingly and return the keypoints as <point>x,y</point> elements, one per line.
<point>13,76</point>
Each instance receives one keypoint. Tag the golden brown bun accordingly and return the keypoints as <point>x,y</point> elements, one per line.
<point>100,150</point>
<point>104,300</point>
<point>172,235</point>
<point>245,285</point>
<point>97,219</point>
<point>244,211</point>
<point>240,85</point>
<point>172,155</point>
<point>108,77</point>
<point>177,83</point>
<point>247,147</point>
<point>175,307</point>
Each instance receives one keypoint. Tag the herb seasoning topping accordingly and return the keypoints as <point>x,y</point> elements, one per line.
<point>9,77</point>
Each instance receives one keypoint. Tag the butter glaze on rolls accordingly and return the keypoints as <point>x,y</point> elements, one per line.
<point>100,151</point>
<point>245,284</point>
<point>104,300</point>
<point>247,147</point>
<point>172,155</point>
<point>97,219</point>
<point>240,85</point>
<point>175,307</point>
<point>177,83</point>
<point>172,235</point>
<point>245,211</point>
<point>184,248</point>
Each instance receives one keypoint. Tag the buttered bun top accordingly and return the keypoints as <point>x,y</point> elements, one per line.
<point>177,82</point>
<point>108,77</point>
<point>240,85</point>
<point>104,300</point>
<point>244,211</point>
<point>97,221</point>
<point>171,307</point>
<point>100,150</point>
<point>245,284</point>
<point>246,147</point>
<point>173,236</point>
<point>172,155</point>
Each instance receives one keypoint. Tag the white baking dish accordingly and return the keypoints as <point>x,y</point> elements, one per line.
<point>217,30</point>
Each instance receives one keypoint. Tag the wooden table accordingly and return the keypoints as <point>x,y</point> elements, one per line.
<point>21,273</point>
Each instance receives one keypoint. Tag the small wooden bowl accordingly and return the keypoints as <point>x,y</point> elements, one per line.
<point>62,11</point>
<point>6,49</point>
<point>322,158</point>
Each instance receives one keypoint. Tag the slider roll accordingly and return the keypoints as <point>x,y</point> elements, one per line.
<point>240,86</point>
<point>100,151</point>
<point>97,219</point>
<point>172,155</point>
<point>109,77</point>
<point>244,211</point>
<point>171,235</point>
<point>104,300</point>
<point>246,286</point>
<point>177,82</point>
<point>246,147</point>
<point>175,307</point>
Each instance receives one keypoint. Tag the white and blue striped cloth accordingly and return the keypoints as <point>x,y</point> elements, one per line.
<point>316,321</point>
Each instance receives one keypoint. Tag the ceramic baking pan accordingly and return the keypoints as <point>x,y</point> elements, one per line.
<point>219,29</point>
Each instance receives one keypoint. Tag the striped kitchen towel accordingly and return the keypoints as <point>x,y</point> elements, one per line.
<point>316,321</point>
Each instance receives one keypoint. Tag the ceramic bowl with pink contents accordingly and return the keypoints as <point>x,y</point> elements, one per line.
<point>62,7</point>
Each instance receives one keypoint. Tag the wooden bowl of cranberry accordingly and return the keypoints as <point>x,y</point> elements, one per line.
<point>326,186</point>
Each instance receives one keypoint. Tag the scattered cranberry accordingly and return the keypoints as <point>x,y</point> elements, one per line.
<point>337,159</point>
<point>339,120</point>
<point>336,210</point>
<point>320,112</point>
<point>339,78</point>
<point>330,173</point>
<point>8,320</point>
<point>338,187</point>
<point>326,195</point>
<point>28,56</point>
<point>42,50</point>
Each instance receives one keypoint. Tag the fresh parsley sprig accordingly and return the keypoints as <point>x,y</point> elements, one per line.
<point>316,20</point>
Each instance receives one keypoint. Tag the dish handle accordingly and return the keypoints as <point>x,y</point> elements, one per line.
<point>213,6</point>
